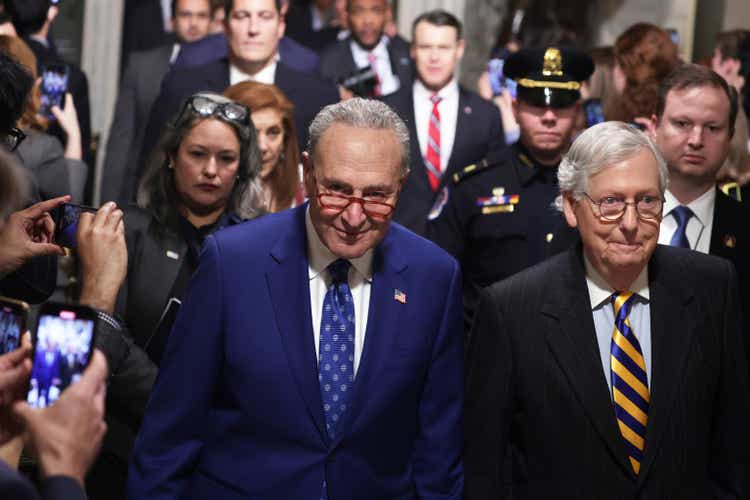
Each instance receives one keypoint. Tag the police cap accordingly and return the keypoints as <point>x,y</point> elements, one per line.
<point>549,76</point>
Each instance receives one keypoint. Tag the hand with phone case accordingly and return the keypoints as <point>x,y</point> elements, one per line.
<point>27,234</point>
<point>67,117</point>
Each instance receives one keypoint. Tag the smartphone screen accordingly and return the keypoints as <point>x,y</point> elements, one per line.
<point>498,80</point>
<point>66,223</point>
<point>594,114</point>
<point>64,339</point>
<point>54,86</point>
<point>13,314</point>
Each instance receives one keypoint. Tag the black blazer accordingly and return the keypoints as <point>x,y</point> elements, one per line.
<point>307,92</point>
<point>536,381</point>
<point>337,61</point>
<point>479,130</point>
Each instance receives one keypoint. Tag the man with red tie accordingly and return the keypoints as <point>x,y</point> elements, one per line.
<point>450,127</point>
<point>615,369</point>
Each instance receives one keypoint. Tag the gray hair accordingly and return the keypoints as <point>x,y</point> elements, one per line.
<point>361,113</point>
<point>601,146</point>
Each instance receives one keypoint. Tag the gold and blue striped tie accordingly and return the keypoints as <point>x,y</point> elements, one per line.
<point>629,380</point>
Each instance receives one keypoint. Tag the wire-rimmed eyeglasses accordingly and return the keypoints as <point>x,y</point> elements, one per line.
<point>612,209</point>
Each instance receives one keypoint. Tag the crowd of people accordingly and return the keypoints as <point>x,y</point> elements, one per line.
<point>327,270</point>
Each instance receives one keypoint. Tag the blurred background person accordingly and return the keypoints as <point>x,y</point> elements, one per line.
<point>56,172</point>
<point>450,127</point>
<point>313,23</point>
<point>644,55</point>
<point>273,117</point>
<point>138,91</point>
<point>33,20</point>
<point>217,17</point>
<point>367,46</point>
<point>727,62</point>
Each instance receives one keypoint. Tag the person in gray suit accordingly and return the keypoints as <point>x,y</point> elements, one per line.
<point>138,91</point>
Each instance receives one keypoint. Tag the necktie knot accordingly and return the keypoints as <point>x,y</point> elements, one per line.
<point>371,58</point>
<point>339,270</point>
<point>435,99</point>
<point>682,214</point>
<point>621,302</point>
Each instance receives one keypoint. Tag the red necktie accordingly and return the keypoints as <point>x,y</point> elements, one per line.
<point>432,161</point>
<point>371,58</point>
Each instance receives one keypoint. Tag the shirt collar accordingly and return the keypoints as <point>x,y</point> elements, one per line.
<point>600,292</point>
<point>380,50</point>
<point>267,75</point>
<point>702,206</point>
<point>319,257</point>
<point>423,93</point>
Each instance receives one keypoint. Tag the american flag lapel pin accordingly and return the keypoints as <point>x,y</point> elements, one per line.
<point>399,296</point>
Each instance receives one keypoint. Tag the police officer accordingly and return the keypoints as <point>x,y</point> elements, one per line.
<point>496,216</point>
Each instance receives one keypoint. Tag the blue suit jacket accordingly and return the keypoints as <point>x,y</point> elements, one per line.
<point>236,411</point>
<point>214,47</point>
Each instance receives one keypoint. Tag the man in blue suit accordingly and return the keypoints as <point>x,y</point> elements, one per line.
<point>328,342</point>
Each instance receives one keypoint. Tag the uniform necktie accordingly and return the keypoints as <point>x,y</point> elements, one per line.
<point>682,215</point>
<point>432,160</point>
<point>336,364</point>
<point>372,59</point>
<point>629,380</point>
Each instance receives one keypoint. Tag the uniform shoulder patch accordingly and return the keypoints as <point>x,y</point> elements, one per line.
<point>472,169</point>
<point>440,201</point>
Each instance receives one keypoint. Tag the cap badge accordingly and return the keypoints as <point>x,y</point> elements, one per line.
<point>552,62</point>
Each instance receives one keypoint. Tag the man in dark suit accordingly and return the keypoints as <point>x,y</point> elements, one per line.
<point>214,47</point>
<point>369,47</point>
<point>312,23</point>
<point>316,391</point>
<point>33,20</point>
<point>693,128</point>
<point>450,126</point>
<point>615,369</point>
<point>253,29</point>
<point>138,91</point>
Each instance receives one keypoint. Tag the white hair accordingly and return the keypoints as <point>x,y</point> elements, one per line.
<point>599,147</point>
<point>361,113</point>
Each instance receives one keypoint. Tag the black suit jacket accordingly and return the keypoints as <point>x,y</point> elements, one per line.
<point>138,91</point>
<point>479,130</point>
<point>299,28</point>
<point>308,94</point>
<point>337,61</point>
<point>16,487</point>
<point>536,381</point>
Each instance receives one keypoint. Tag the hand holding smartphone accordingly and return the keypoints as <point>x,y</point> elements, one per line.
<point>66,223</point>
<point>54,86</point>
<point>62,350</point>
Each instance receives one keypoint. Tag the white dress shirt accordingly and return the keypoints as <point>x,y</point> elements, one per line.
<point>267,75</point>
<point>604,317</point>
<point>698,230</point>
<point>448,109</point>
<point>319,257</point>
<point>389,82</point>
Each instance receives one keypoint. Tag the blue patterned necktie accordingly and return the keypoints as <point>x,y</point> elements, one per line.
<point>336,363</point>
<point>629,380</point>
<point>682,215</point>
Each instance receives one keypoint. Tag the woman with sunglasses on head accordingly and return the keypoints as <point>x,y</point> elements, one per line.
<point>203,178</point>
<point>272,115</point>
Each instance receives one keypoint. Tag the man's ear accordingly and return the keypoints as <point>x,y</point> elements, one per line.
<point>569,209</point>
<point>308,175</point>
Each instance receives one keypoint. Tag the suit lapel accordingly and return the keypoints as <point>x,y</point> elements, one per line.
<point>673,323</point>
<point>384,312</point>
<point>575,347</point>
<point>462,135</point>
<point>290,295</point>
<point>418,174</point>
<point>725,224</point>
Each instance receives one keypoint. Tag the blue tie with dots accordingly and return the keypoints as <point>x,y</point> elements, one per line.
<point>336,364</point>
<point>682,215</point>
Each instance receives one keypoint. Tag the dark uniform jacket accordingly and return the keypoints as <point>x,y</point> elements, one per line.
<point>536,380</point>
<point>496,217</point>
<point>479,131</point>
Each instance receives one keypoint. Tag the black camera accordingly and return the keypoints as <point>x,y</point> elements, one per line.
<point>362,82</point>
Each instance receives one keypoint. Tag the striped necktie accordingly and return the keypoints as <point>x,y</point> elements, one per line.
<point>432,159</point>
<point>629,380</point>
<point>371,60</point>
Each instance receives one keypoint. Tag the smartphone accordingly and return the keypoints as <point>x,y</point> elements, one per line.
<point>498,80</point>
<point>13,317</point>
<point>594,114</point>
<point>62,350</point>
<point>54,86</point>
<point>66,223</point>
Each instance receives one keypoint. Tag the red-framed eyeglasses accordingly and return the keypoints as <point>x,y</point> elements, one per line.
<point>339,202</point>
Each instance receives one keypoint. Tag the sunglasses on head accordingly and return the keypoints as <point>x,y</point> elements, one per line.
<point>204,106</point>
